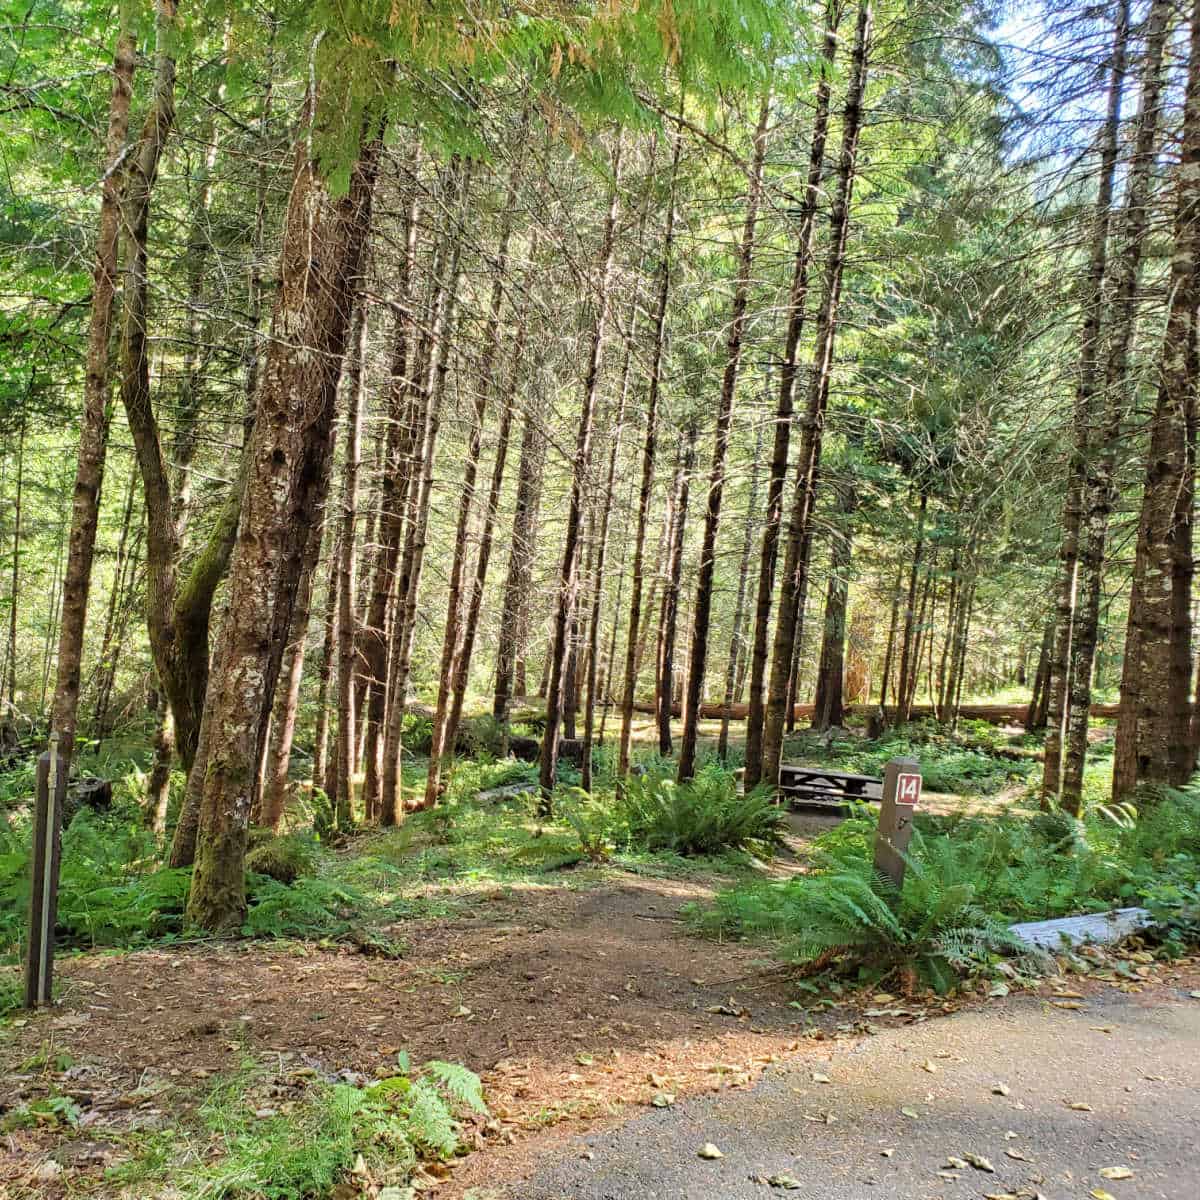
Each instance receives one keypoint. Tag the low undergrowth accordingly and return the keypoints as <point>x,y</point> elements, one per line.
<point>114,890</point>
<point>976,760</point>
<point>296,1137</point>
<point>967,880</point>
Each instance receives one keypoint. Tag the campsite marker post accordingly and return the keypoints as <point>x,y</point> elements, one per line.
<point>43,899</point>
<point>901,793</point>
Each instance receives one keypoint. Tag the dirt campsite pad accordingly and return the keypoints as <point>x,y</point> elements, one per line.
<point>570,1004</point>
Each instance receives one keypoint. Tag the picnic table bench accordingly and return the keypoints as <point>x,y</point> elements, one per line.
<point>819,787</point>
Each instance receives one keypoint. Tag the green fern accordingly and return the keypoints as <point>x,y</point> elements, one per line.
<point>460,1084</point>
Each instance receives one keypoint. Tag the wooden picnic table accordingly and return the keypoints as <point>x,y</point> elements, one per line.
<point>805,786</point>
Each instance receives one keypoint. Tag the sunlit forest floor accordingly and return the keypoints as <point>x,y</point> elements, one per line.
<point>577,985</point>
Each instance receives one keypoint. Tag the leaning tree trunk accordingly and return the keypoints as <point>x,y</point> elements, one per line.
<point>1098,486</point>
<point>568,581</point>
<point>93,433</point>
<point>799,522</point>
<point>789,369</point>
<point>645,495</point>
<point>178,608</point>
<point>323,249</point>
<point>1153,726</point>
<point>1086,394</point>
<point>702,612</point>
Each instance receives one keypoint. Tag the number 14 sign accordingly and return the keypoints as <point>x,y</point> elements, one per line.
<point>908,789</point>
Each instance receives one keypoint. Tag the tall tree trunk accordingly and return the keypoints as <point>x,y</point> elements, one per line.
<point>800,608</point>
<point>599,566</point>
<point>568,582</point>
<point>646,492</point>
<point>1099,468</point>
<point>789,369</point>
<point>93,431</point>
<point>470,470</point>
<point>920,630</point>
<point>1153,726</point>
<point>322,258</point>
<point>515,602</point>
<point>903,695</point>
<point>737,634</point>
<point>672,586</point>
<point>433,365</point>
<point>158,786</point>
<point>795,567</point>
<point>482,559</point>
<point>888,654</point>
<point>941,703</point>
<point>178,608</point>
<point>1041,675</point>
<point>119,602</point>
<point>1087,389</point>
<point>347,742</point>
<point>287,697</point>
<point>828,703</point>
<point>325,671</point>
<point>402,414</point>
<point>702,612</point>
<point>15,579</point>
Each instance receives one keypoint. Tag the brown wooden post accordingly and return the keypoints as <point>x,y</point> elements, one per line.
<point>901,792</point>
<point>43,902</point>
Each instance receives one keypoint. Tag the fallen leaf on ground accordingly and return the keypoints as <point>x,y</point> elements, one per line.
<point>930,1066</point>
<point>708,1150</point>
<point>957,1164</point>
<point>1017,1155</point>
<point>663,1100</point>
<point>1115,1173</point>
<point>980,1163</point>
<point>1080,1106</point>
<point>1001,1089</point>
<point>818,1077</point>
<point>911,1112</point>
<point>787,1182</point>
<point>1101,1194</point>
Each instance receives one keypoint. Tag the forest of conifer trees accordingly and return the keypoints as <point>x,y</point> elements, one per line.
<point>603,397</point>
